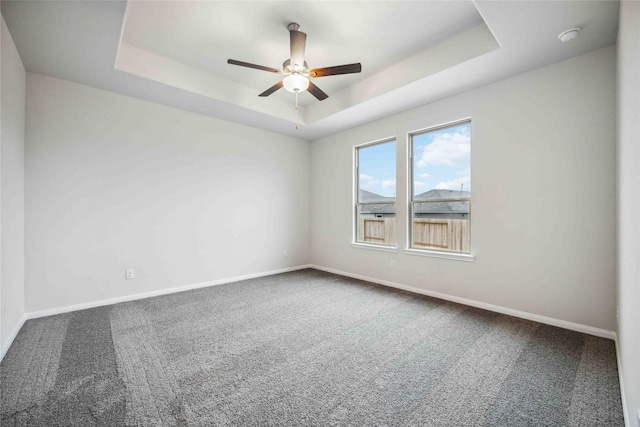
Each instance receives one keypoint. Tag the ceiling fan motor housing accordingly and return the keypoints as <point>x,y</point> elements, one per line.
<point>288,68</point>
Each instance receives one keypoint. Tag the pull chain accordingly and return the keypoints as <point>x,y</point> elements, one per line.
<point>296,106</point>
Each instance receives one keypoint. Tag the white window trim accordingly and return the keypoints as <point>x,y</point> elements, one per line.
<point>374,247</point>
<point>458,256</point>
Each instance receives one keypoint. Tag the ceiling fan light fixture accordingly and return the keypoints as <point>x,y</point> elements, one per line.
<point>295,83</point>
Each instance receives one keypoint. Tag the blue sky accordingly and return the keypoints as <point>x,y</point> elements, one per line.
<point>441,159</point>
<point>378,168</point>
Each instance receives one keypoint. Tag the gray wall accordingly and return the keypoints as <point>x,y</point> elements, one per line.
<point>12,263</point>
<point>114,182</point>
<point>629,204</point>
<point>543,202</point>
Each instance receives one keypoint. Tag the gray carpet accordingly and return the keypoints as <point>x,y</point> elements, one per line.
<point>304,348</point>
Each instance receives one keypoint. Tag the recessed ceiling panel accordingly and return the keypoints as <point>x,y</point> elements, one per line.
<point>201,36</point>
<point>376,34</point>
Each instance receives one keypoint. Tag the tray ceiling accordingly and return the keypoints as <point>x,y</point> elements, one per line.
<point>412,52</point>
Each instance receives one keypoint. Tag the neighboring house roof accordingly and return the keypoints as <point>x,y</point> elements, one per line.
<point>437,193</point>
<point>367,196</point>
<point>420,208</point>
<point>442,207</point>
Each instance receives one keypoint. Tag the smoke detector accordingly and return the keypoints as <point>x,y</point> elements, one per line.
<point>569,35</point>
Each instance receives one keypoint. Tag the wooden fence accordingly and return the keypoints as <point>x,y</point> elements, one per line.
<point>377,230</point>
<point>447,234</point>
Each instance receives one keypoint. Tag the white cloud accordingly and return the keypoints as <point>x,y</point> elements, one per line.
<point>368,182</point>
<point>466,171</point>
<point>419,184</point>
<point>454,184</point>
<point>388,183</point>
<point>424,175</point>
<point>446,149</point>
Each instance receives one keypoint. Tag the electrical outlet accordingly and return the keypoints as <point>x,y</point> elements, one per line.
<point>285,254</point>
<point>129,273</point>
<point>393,263</point>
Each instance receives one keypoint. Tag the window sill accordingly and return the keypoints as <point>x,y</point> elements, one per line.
<point>375,247</point>
<point>438,254</point>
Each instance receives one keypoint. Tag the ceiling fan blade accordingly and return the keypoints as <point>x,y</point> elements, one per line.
<point>298,39</point>
<point>317,92</point>
<point>272,89</point>
<point>336,70</point>
<point>248,65</point>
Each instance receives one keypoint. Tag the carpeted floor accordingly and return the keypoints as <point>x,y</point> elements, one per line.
<point>304,348</point>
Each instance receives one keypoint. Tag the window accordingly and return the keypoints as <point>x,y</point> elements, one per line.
<point>440,206</point>
<point>375,208</point>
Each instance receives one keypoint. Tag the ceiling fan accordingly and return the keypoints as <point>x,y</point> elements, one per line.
<point>296,71</point>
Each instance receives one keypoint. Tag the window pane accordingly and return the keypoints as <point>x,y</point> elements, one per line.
<point>441,225</point>
<point>441,170</point>
<point>376,224</point>
<point>442,161</point>
<point>376,208</point>
<point>377,172</point>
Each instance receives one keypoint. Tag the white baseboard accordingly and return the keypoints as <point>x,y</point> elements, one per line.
<point>12,337</point>
<point>125,298</point>
<point>603,333</point>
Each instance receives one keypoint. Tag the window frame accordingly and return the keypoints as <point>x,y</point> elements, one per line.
<point>356,197</point>
<point>411,249</point>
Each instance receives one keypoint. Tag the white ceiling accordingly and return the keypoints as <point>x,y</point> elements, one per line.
<point>412,52</point>
<point>258,34</point>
